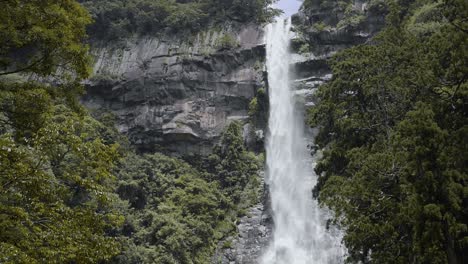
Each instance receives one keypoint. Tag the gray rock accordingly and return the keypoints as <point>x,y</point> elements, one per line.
<point>337,36</point>
<point>177,94</point>
<point>311,69</point>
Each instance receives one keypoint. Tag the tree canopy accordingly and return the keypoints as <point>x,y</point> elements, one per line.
<point>38,36</point>
<point>72,190</point>
<point>177,211</point>
<point>56,182</point>
<point>122,18</point>
<point>393,127</point>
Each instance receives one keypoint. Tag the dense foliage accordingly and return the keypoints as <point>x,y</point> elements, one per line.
<point>394,131</point>
<point>72,190</point>
<point>349,15</point>
<point>121,18</point>
<point>258,109</point>
<point>40,35</point>
<point>173,213</point>
<point>55,185</point>
<point>177,212</point>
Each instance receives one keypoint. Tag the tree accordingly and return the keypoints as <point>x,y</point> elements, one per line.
<point>55,194</point>
<point>175,215</point>
<point>120,19</point>
<point>393,127</point>
<point>42,36</point>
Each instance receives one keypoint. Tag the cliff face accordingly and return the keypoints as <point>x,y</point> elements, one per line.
<point>176,94</point>
<point>324,27</point>
<point>328,26</point>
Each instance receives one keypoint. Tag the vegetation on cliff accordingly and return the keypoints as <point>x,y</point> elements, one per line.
<point>393,125</point>
<point>258,109</point>
<point>72,190</point>
<point>348,14</point>
<point>122,18</point>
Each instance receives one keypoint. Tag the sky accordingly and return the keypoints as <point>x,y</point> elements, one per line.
<point>289,7</point>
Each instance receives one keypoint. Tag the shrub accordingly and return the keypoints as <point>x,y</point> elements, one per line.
<point>227,41</point>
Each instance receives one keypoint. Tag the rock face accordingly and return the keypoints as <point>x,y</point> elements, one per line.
<point>324,27</point>
<point>329,26</point>
<point>176,94</point>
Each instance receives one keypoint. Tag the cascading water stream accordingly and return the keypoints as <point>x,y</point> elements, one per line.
<point>300,235</point>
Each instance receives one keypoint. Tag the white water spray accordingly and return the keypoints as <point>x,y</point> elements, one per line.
<point>300,235</point>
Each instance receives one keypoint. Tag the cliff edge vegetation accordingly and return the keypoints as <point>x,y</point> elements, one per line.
<point>120,18</point>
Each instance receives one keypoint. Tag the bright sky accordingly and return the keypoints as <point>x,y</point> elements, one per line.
<point>289,7</point>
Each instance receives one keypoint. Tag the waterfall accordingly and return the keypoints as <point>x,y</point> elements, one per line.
<point>300,235</point>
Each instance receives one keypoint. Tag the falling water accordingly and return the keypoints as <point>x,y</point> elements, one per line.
<point>300,235</point>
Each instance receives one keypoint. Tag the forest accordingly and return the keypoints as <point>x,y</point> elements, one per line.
<point>120,19</point>
<point>392,125</point>
<point>72,189</point>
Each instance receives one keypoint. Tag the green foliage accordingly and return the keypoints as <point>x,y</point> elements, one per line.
<point>351,21</point>
<point>235,168</point>
<point>320,26</point>
<point>174,211</point>
<point>426,20</point>
<point>120,19</point>
<point>393,124</point>
<point>38,36</point>
<point>348,15</point>
<point>227,41</point>
<point>56,196</point>
<point>377,5</point>
<point>304,48</point>
<point>352,17</point>
<point>258,108</point>
<point>231,164</point>
<point>253,107</point>
<point>66,194</point>
<point>58,204</point>
<point>177,213</point>
<point>227,244</point>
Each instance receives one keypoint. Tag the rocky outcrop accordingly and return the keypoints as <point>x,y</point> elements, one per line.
<point>324,27</point>
<point>176,94</point>
<point>327,26</point>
